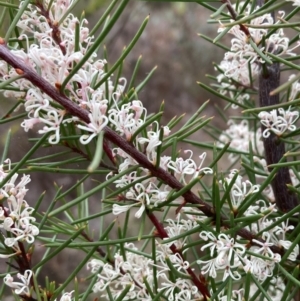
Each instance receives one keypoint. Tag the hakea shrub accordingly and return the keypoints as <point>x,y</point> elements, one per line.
<point>236,239</point>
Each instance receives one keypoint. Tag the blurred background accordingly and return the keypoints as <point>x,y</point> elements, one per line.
<point>171,43</point>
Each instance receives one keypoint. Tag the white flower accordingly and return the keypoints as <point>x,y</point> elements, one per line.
<point>239,190</point>
<point>265,246</point>
<point>22,287</point>
<point>123,120</point>
<point>118,209</point>
<point>127,119</point>
<point>183,168</point>
<point>16,218</point>
<point>175,228</point>
<point>67,296</point>
<point>158,195</point>
<point>278,121</point>
<point>52,122</point>
<point>152,142</point>
<point>226,255</point>
<point>95,265</point>
<point>179,263</point>
<point>260,268</point>
<point>295,87</point>
<point>107,275</point>
<point>295,2</point>
<point>242,60</point>
<point>185,287</point>
<point>98,121</point>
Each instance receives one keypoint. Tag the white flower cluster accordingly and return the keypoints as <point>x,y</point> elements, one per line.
<point>239,190</point>
<point>22,287</point>
<point>228,257</point>
<point>137,272</point>
<point>242,59</point>
<point>149,191</point>
<point>133,271</point>
<point>53,60</point>
<point>16,219</point>
<point>278,121</point>
<point>240,136</point>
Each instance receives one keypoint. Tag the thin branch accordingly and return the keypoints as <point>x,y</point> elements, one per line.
<point>54,25</point>
<point>163,234</point>
<point>234,17</point>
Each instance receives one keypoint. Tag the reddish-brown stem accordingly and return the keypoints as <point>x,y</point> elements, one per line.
<point>161,232</point>
<point>87,238</point>
<point>234,17</point>
<point>55,27</point>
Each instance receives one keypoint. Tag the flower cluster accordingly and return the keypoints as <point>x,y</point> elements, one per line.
<point>243,59</point>
<point>61,42</point>
<point>16,218</point>
<point>240,189</point>
<point>240,136</point>
<point>228,257</point>
<point>135,272</point>
<point>22,287</point>
<point>149,191</point>
<point>53,56</point>
<point>278,121</point>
